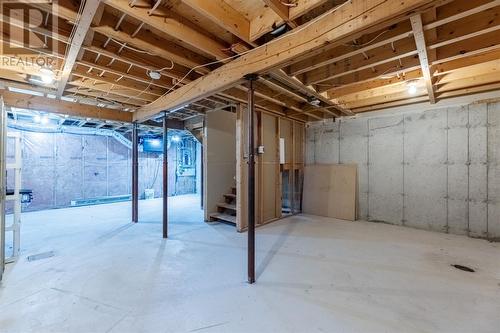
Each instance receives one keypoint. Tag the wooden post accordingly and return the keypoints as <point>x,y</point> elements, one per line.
<point>251,179</point>
<point>165,176</point>
<point>135,174</point>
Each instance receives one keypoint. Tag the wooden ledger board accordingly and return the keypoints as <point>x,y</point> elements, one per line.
<point>330,190</point>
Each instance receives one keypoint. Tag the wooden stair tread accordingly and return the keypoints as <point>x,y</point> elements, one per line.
<point>230,195</point>
<point>223,217</point>
<point>226,205</point>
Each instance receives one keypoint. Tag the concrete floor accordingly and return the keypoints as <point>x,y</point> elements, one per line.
<point>315,275</point>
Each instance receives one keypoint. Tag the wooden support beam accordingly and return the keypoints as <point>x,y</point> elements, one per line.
<point>397,50</point>
<point>44,104</point>
<point>111,88</point>
<point>76,43</point>
<point>418,33</point>
<point>333,26</point>
<point>223,15</point>
<point>295,83</point>
<point>173,28</point>
<point>279,8</point>
<point>283,11</point>
<point>156,47</point>
<point>131,75</point>
<point>106,96</point>
<point>304,6</point>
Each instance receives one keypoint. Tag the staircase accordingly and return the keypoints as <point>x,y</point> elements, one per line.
<point>226,210</point>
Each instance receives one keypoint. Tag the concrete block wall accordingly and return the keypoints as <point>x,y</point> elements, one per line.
<point>62,167</point>
<point>434,169</point>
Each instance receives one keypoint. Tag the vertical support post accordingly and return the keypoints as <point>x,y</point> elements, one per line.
<point>135,174</point>
<point>16,225</point>
<point>251,178</point>
<point>3,185</point>
<point>202,172</point>
<point>165,176</point>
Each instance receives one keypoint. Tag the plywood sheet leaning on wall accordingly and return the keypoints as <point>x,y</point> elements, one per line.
<point>330,190</point>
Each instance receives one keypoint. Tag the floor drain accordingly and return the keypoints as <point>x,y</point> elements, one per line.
<point>464,268</point>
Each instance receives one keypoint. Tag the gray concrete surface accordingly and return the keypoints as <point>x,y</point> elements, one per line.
<point>314,275</point>
<point>429,169</point>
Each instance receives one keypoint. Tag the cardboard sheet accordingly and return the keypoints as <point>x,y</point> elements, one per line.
<point>330,190</point>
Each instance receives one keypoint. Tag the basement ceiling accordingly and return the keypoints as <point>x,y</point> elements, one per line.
<point>124,55</point>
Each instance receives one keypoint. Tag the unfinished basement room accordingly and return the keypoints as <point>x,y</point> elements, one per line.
<point>250,166</point>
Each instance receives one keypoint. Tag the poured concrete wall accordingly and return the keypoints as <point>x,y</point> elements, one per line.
<point>61,167</point>
<point>436,169</point>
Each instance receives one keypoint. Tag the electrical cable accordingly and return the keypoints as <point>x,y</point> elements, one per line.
<point>293,32</point>
<point>369,42</point>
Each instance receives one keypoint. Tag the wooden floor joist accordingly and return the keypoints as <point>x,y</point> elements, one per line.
<point>44,104</point>
<point>333,58</point>
<point>335,25</point>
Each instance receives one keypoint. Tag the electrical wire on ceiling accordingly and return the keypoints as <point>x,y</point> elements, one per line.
<point>369,42</point>
<point>293,32</point>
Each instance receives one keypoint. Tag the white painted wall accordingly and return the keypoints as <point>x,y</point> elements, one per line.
<point>430,169</point>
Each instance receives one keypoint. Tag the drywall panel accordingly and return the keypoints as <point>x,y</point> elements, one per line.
<point>286,129</point>
<point>220,158</point>
<point>298,172</point>
<point>327,144</point>
<point>330,190</point>
<point>426,170</point>
<point>241,167</point>
<point>494,171</point>
<point>269,179</point>
<point>478,170</point>
<point>354,149</point>
<point>385,169</point>
<point>299,135</point>
<point>457,172</point>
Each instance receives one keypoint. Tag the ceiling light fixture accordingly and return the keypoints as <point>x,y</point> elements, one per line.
<point>154,75</point>
<point>47,75</point>
<point>37,119</point>
<point>313,101</point>
<point>412,88</point>
<point>44,120</point>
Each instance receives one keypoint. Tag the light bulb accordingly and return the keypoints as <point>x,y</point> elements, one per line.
<point>412,88</point>
<point>37,119</point>
<point>47,75</point>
